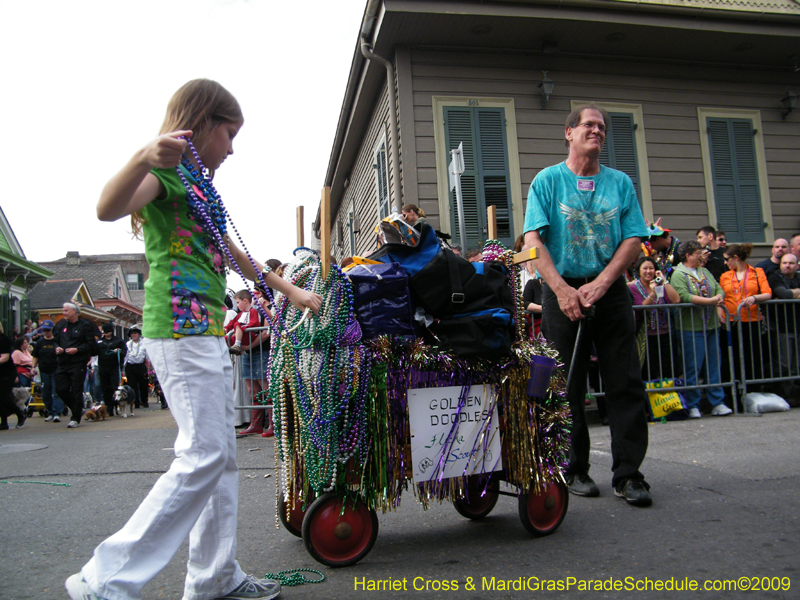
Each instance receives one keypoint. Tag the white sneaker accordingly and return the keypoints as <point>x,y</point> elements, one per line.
<point>78,589</point>
<point>48,419</point>
<point>56,419</point>
<point>255,589</point>
<point>720,410</point>
<point>73,425</point>
<point>694,413</point>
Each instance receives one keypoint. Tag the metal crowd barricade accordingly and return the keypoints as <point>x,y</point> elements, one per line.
<point>677,359</point>
<point>243,399</point>
<point>774,357</point>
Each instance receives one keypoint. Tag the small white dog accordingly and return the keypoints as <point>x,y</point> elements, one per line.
<point>125,397</point>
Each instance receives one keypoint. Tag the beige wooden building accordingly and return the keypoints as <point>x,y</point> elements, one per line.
<point>699,92</point>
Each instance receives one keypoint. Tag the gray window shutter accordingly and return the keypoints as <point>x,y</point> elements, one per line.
<point>619,149</point>
<point>735,179</point>
<point>486,179</point>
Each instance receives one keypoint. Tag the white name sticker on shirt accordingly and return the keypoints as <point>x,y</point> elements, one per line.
<point>585,185</point>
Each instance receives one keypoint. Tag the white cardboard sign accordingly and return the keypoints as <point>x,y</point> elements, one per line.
<point>438,450</point>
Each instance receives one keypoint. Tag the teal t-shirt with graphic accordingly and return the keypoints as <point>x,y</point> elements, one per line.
<point>582,220</point>
<point>185,291</point>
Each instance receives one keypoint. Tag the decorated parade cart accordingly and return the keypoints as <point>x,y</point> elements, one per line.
<point>378,396</point>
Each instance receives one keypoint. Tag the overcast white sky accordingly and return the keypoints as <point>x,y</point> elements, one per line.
<point>86,83</point>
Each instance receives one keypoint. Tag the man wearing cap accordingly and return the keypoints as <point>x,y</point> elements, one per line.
<point>76,343</point>
<point>44,357</point>
<point>111,352</point>
<point>663,247</point>
<point>136,367</point>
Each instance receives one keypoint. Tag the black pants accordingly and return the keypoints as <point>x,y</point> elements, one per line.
<point>69,387</point>
<point>109,381</point>
<point>8,405</point>
<point>612,332</point>
<point>137,379</point>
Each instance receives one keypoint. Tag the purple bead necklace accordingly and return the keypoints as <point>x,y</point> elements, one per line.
<point>212,216</point>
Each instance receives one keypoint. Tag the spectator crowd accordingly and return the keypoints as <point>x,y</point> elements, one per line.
<point>691,342</point>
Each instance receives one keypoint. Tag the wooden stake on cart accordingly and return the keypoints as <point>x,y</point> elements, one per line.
<point>325,231</point>
<point>491,221</point>
<point>300,228</point>
<point>519,257</point>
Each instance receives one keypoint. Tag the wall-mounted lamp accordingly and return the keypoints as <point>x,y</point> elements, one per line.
<point>547,85</point>
<point>789,102</point>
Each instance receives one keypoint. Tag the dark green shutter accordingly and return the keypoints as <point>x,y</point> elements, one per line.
<point>5,317</point>
<point>619,149</point>
<point>486,179</point>
<point>25,309</point>
<point>735,179</point>
<point>382,175</point>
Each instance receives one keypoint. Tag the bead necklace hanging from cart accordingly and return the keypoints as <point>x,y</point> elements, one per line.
<point>328,396</point>
<point>495,251</point>
<point>328,376</point>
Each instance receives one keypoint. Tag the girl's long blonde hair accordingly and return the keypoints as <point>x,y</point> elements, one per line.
<point>200,106</point>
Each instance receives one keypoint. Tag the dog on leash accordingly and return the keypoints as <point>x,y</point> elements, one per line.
<point>124,398</point>
<point>95,413</point>
<point>21,396</point>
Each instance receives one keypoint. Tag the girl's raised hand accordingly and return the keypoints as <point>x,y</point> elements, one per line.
<point>166,150</point>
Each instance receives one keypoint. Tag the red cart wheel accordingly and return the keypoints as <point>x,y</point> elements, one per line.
<point>541,514</point>
<point>335,538</point>
<point>475,506</point>
<point>294,524</point>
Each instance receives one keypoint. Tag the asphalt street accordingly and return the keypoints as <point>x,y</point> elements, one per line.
<point>726,511</point>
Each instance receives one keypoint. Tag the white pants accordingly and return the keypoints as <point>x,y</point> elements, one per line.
<point>198,497</point>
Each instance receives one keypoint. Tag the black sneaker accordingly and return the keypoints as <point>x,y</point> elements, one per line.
<point>635,491</point>
<point>582,485</point>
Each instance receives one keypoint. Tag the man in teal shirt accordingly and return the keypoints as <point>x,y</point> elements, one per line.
<point>586,221</point>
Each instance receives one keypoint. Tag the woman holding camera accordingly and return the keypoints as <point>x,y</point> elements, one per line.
<point>648,289</point>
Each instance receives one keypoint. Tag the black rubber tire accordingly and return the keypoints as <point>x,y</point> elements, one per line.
<point>476,506</point>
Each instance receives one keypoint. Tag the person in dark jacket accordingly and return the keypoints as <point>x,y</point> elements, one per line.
<point>45,359</point>
<point>784,319</point>
<point>76,343</point>
<point>8,377</point>
<point>111,351</point>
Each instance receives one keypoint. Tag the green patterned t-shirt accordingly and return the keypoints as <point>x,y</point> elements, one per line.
<point>185,290</point>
